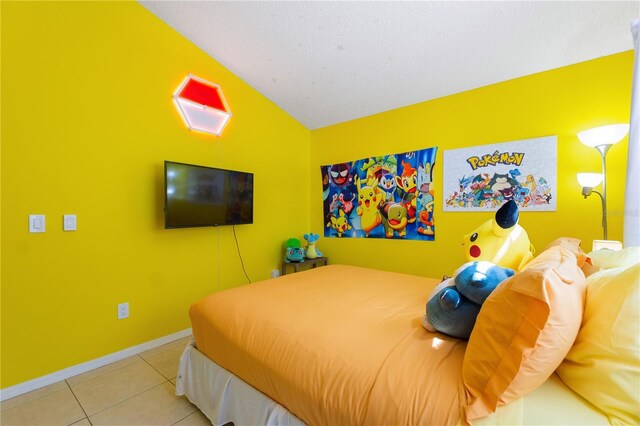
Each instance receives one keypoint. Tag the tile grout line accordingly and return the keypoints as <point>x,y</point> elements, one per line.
<point>102,374</point>
<point>68,385</point>
<point>119,402</point>
<point>190,414</point>
<point>132,396</point>
<point>79,369</point>
<point>164,346</point>
<point>31,400</point>
<point>174,386</point>
<point>158,371</point>
<point>86,416</point>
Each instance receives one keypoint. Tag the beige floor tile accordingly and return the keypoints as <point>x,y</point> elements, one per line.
<point>83,422</point>
<point>157,406</point>
<point>195,419</point>
<point>30,396</point>
<point>103,370</point>
<point>98,393</point>
<point>180,343</point>
<point>57,408</point>
<point>166,362</point>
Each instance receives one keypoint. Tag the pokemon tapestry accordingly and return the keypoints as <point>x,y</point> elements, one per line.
<point>483,177</point>
<point>381,197</point>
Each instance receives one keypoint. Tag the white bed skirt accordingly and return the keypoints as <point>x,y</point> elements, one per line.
<point>223,397</point>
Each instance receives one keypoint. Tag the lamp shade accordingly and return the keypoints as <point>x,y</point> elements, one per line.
<point>604,135</point>
<point>589,180</point>
<point>202,105</point>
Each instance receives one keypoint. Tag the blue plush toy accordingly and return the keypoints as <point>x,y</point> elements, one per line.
<point>311,252</point>
<point>495,250</point>
<point>454,304</point>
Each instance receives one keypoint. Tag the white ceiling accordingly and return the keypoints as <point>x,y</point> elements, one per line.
<point>327,62</point>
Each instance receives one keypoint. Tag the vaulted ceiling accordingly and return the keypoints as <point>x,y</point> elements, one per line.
<point>326,62</point>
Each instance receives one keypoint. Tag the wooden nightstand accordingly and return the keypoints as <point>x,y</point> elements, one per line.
<point>307,263</point>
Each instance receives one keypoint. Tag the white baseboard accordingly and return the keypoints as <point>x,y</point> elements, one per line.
<point>49,379</point>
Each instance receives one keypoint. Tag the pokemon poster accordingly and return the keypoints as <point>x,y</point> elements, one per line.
<point>484,177</point>
<point>390,196</point>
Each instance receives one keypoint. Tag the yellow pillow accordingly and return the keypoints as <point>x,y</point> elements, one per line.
<point>607,259</point>
<point>604,363</point>
<point>523,331</point>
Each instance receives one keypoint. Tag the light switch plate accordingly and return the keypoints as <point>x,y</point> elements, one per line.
<point>69,222</point>
<point>36,223</point>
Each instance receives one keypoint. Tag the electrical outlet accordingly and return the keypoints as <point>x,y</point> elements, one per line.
<point>275,273</point>
<point>123,310</point>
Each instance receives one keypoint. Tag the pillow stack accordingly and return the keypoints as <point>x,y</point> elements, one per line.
<point>525,329</point>
<point>604,363</point>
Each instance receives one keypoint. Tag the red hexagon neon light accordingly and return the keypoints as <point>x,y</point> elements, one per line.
<point>202,105</point>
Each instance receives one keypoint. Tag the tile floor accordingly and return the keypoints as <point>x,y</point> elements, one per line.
<point>139,390</point>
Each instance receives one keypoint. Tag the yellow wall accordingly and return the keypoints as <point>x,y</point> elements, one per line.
<point>87,121</point>
<point>560,102</point>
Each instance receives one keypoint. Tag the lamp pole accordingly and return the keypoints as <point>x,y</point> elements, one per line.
<point>603,149</point>
<point>601,138</point>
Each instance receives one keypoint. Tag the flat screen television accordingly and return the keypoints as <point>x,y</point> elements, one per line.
<point>206,196</point>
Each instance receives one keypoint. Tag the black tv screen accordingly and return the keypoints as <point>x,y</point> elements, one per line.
<point>206,196</point>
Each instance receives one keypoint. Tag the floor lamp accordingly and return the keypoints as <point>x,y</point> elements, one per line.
<point>600,138</point>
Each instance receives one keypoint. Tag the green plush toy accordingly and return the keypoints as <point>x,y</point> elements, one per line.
<point>293,251</point>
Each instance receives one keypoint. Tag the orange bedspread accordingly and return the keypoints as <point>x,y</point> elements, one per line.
<point>336,345</point>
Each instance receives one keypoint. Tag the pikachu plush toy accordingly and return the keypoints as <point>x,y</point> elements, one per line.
<point>500,240</point>
<point>495,251</point>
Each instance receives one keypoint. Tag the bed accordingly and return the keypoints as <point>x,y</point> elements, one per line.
<point>342,345</point>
